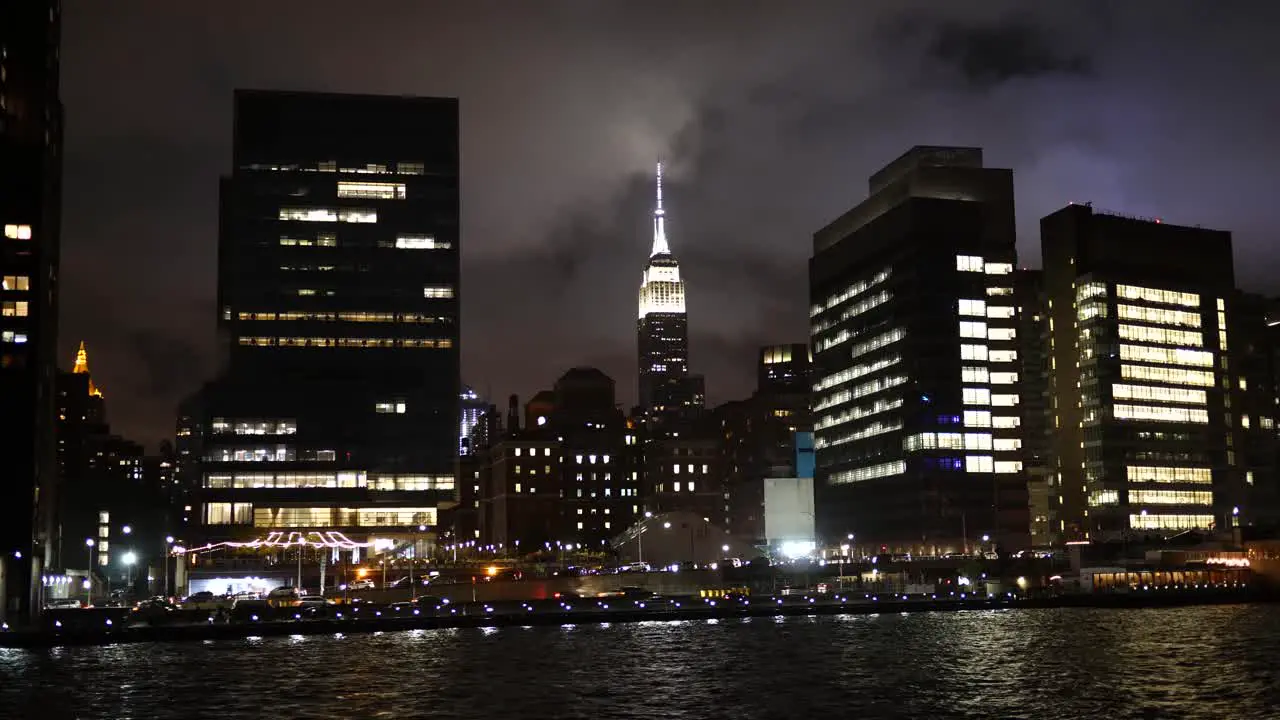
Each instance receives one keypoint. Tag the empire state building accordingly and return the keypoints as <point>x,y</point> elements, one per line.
<point>663,329</point>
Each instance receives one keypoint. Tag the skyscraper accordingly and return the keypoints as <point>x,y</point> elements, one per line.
<point>471,407</point>
<point>30,207</point>
<point>914,352</point>
<point>338,297</point>
<point>666,387</point>
<point>1141,381</point>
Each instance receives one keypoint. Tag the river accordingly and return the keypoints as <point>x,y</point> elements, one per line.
<point>1198,662</point>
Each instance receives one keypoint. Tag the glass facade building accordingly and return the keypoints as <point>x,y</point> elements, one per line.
<point>338,302</point>
<point>914,341</point>
<point>30,208</point>
<point>1142,387</point>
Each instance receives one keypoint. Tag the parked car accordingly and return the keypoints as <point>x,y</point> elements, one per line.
<point>284,597</point>
<point>63,604</point>
<point>204,600</point>
<point>360,585</point>
<point>313,601</point>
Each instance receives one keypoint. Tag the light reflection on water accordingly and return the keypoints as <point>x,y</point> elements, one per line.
<point>1213,662</point>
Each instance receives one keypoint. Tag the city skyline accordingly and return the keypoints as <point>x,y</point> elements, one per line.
<point>762,150</point>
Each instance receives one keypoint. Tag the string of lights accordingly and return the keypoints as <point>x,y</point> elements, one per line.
<point>280,539</point>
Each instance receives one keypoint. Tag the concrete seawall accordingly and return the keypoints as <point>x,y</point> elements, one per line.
<point>381,619</point>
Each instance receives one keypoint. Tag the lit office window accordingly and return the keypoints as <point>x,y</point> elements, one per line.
<point>1170,497</point>
<point>969,263</point>
<point>1152,521</point>
<point>979,464</point>
<point>1167,375</point>
<point>1162,297</point>
<point>1151,413</point>
<point>1183,396</point>
<point>371,190</point>
<point>1164,336</point>
<point>977,418</point>
<point>421,242</point>
<point>872,472</point>
<point>320,214</point>
<point>17,232</point>
<point>1166,356</point>
<point>1150,474</point>
<point>1158,316</point>
<point>437,291</point>
<point>850,292</point>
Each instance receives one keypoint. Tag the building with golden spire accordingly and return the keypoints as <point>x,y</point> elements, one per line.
<point>82,368</point>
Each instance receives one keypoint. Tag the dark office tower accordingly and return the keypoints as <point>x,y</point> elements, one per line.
<point>663,330</point>
<point>30,204</point>
<point>915,358</point>
<point>758,437</point>
<point>1033,383</point>
<point>1140,377</point>
<point>338,296</point>
<point>1252,329</point>
<point>783,369</point>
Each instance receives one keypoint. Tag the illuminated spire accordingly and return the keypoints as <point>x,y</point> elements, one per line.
<point>660,246</point>
<point>82,360</point>
<point>82,368</point>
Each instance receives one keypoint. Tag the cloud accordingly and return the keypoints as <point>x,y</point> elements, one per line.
<point>988,55</point>
<point>770,115</point>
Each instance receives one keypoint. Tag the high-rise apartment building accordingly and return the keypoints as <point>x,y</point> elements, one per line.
<point>338,298</point>
<point>913,332</point>
<point>569,474</point>
<point>30,207</point>
<point>666,388</point>
<point>1142,385</point>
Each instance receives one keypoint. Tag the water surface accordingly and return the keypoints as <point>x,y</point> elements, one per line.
<point>1202,662</point>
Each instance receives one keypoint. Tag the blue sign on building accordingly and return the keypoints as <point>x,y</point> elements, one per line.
<point>804,454</point>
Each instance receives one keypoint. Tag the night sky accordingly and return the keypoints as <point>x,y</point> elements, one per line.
<point>770,116</point>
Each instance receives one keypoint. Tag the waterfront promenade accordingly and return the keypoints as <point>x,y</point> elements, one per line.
<point>115,625</point>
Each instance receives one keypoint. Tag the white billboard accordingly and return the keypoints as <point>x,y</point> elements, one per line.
<point>788,510</point>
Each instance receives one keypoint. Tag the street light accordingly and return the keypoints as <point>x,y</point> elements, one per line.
<point>129,559</point>
<point>127,529</point>
<point>88,574</point>
<point>168,550</point>
<point>413,557</point>
<point>844,552</point>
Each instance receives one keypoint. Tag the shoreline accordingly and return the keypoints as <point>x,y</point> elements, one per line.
<point>758,607</point>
